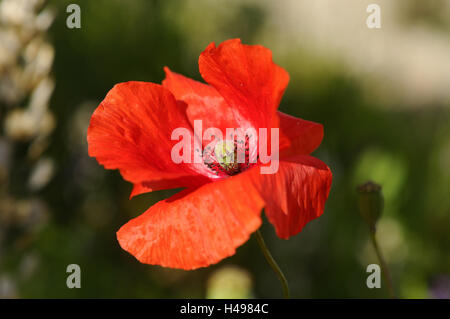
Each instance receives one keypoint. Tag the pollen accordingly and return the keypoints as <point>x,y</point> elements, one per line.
<point>228,157</point>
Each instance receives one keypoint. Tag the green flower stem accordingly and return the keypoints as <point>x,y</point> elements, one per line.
<point>273,264</point>
<point>384,268</point>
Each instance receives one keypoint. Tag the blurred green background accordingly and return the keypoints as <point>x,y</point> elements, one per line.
<point>381,94</point>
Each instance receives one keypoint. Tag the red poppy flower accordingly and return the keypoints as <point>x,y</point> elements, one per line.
<point>205,223</point>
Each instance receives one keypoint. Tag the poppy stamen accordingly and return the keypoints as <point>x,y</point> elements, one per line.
<point>224,159</point>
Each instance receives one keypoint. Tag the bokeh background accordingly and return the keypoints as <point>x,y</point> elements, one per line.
<point>383,96</point>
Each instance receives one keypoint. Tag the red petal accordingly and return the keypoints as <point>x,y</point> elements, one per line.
<point>131,131</point>
<point>296,194</point>
<point>196,228</point>
<point>246,77</point>
<point>298,136</point>
<point>204,102</point>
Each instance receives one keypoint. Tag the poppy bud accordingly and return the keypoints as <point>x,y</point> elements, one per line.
<point>370,203</point>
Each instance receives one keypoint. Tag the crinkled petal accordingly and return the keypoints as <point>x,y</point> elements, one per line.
<point>247,79</point>
<point>131,131</point>
<point>203,102</point>
<point>196,228</point>
<point>298,136</point>
<point>296,194</point>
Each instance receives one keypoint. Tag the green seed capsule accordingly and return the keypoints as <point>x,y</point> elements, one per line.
<point>370,203</point>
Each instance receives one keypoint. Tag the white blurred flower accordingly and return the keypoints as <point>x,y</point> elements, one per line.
<point>41,174</point>
<point>19,12</point>
<point>23,125</point>
<point>9,48</point>
<point>39,57</point>
<point>8,287</point>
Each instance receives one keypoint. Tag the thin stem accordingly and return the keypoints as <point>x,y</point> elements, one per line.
<point>273,264</point>
<point>384,267</point>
